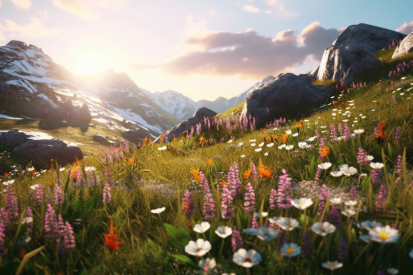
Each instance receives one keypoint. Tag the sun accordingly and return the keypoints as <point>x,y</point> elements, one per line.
<point>89,64</point>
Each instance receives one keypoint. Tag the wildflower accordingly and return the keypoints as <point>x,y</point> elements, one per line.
<point>302,203</point>
<point>209,206</point>
<point>264,171</point>
<point>335,216</point>
<point>12,205</point>
<point>348,212</point>
<point>362,157</point>
<point>381,198</point>
<point>335,200</point>
<point>247,259</point>
<point>323,228</point>
<point>202,228</point>
<point>324,151</point>
<point>273,195</point>
<point>207,264</point>
<point>198,248</point>
<point>369,224</point>
<point>287,224</point>
<point>397,137</point>
<point>285,138</point>
<point>188,204</point>
<point>236,240</point>
<point>223,231</point>
<point>324,166</point>
<point>254,223</point>
<point>384,234</point>
<point>223,183</point>
<point>249,203</point>
<point>380,136</point>
<point>333,134</point>
<point>347,171</point>
<point>50,224</point>
<point>353,193</point>
<point>254,172</point>
<point>196,174</point>
<point>158,210</point>
<point>266,234</point>
<point>376,165</point>
<point>58,195</point>
<point>210,161</point>
<point>306,244</point>
<point>290,250</point>
<point>227,204</point>
<point>318,174</point>
<point>336,173</point>
<point>284,200</point>
<point>333,265</point>
<point>106,194</point>
<point>392,270</point>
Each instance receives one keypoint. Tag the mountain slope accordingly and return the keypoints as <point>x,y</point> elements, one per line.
<point>176,104</point>
<point>222,104</point>
<point>31,84</point>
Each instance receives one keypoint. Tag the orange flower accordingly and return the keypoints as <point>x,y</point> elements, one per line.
<point>274,138</point>
<point>377,102</point>
<point>22,254</point>
<point>6,174</point>
<point>264,171</point>
<point>75,166</point>
<point>150,142</point>
<point>299,126</point>
<point>263,136</point>
<point>262,129</point>
<point>119,149</point>
<point>339,107</point>
<point>301,121</point>
<point>365,95</point>
<point>196,174</point>
<point>162,136</point>
<point>165,163</point>
<point>247,173</point>
<point>175,139</point>
<point>145,140</point>
<point>143,146</point>
<point>380,136</point>
<point>210,161</point>
<point>131,160</point>
<point>189,223</point>
<point>186,207</point>
<point>111,239</point>
<point>335,102</point>
<point>268,138</point>
<point>285,138</point>
<point>201,139</point>
<point>324,151</point>
<point>223,183</point>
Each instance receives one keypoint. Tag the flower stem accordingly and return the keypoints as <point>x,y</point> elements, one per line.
<point>222,246</point>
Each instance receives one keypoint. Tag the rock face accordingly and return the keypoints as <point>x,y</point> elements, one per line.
<point>352,52</point>
<point>405,47</point>
<point>192,122</point>
<point>285,95</point>
<point>137,134</point>
<point>40,148</point>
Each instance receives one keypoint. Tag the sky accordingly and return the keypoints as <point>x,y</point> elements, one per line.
<point>202,49</point>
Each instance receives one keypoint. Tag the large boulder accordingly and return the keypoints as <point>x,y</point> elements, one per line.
<point>192,122</point>
<point>405,47</point>
<point>139,134</point>
<point>84,113</point>
<point>352,52</point>
<point>40,148</point>
<point>285,95</point>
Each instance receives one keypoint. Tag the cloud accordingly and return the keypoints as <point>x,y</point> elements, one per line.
<point>251,8</point>
<point>21,4</point>
<point>34,30</point>
<point>405,28</point>
<point>44,15</point>
<point>247,54</point>
<point>76,7</point>
<point>280,9</point>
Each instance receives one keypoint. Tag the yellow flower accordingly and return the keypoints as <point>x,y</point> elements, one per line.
<point>196,174</point>
<point>210,161</point>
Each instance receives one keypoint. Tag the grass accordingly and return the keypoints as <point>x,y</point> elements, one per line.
<point>155,243</point>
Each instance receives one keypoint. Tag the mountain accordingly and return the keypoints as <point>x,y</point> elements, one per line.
<point>176,104</point>
<point>123,96</point>
<point>222,104</point>
<point>33,85</point>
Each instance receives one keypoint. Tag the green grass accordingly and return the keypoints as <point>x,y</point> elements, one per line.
<point>150,247</point>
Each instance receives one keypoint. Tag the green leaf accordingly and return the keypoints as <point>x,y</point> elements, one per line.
<point>177,243</point>
<point>171,230</point>
<point>184,233</point>
<point>184,259</point>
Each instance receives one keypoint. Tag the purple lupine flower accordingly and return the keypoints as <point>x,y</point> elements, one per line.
<point>347,134</point>
<point>323,141</point>
<point>254,173</point>
<point>29,214</point>
<point>110,158</point>
<point>4,220</point>
<point>236,183</point>
<point>254,223</point>
<point>273,198</point>
<point>227,204</point>
<point>316,133</point>
<point>204,183</point>
<point>340,129</point>
<point>335,216</point>
<point>342,248</point>
<point>69,238</point>
<point>50,224</point>
<point>362,157</point>
<point>12,205</point>
<point>376,175</point>
<point>323,198</point>
<point>249,203</point>
<point>318,174</point>
<point>397,137</point>
<point>381,198</point>
<point>394,99</point>
<point>209,206</point>
<point>2,237</point>
<point>126,146</point>
<point>333,134</point>
<point>353,193</point>
<point>399,165</point>
<point>236,240</point>
<point>284,186</point>
<point>306,246</point>
<point>189,204</point>
<point>61,228</point>
<point>106,194</point>
<point>108,173</point>
<point>58,195</point>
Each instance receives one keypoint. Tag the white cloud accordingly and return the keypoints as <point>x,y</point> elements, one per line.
<point>405,28</point>
<point>250,8</point>
<point>21,4</point>
<point>280,9</point>
<point>44,15</point>
<point>34,30</point>
<point>76,7</point>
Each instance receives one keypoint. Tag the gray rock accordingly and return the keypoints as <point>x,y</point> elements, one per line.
<point>192,122</point>
<point>13,138</point>
<point>99,137</point>
<point>352,52</point>
<point>137,134</point>
<point>84,113</point>
<point>405,47</point>
<point>42,151</point>
<point>284,96</point>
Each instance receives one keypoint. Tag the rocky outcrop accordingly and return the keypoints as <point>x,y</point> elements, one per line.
<point>192,122</point>
<point>138,134</point>
<point>286,95</point>
<point>41,148</point>
<point>352,52</point>
<point>405,47</point>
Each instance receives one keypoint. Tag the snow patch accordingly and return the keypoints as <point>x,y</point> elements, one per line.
<point>9,117</point>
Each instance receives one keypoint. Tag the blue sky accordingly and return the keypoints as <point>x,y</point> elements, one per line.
<point>202,49</point>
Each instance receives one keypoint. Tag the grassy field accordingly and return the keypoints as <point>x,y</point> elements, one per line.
<point>121,235</point>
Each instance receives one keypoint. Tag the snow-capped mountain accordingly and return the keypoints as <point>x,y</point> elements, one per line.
<point>222,104</point>
<point>123,96</point>
<point>176,104</point>
<point>31,84</point>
